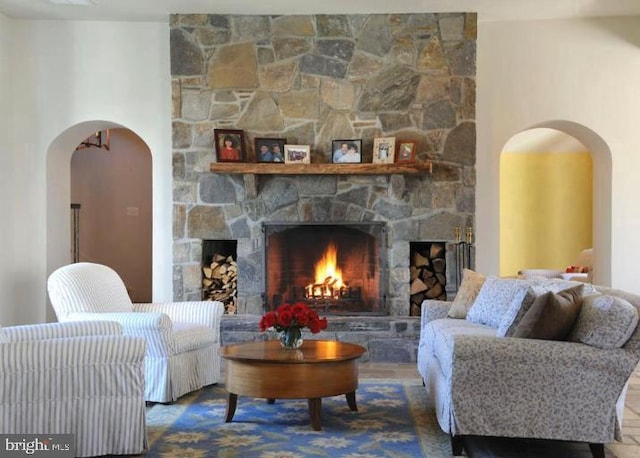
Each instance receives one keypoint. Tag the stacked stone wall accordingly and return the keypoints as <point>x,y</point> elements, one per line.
<point>313,79</point>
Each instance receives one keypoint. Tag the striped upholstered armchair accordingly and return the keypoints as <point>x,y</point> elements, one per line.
<point>84,379</point>
<point>183,338</point>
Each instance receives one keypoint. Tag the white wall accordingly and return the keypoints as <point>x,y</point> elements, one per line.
<point>8,228</point>
<point>70,73</point>
<point>584,71</point>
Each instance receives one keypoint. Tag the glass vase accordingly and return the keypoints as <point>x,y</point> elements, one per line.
<point>291,339</point>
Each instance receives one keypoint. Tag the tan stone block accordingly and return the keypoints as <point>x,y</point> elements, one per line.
<point>179,220</point>
<point>363,66</point>
<point>285,48</point>
<point>234,66</point>
<point>175,99</point>
<point>298,25</point>
<point>403,51</point>
<point>338,95</point>
<point>432,59</point>
<point>432,88</point>
<point>192,276</point>
<point>299,104</point>
<point>194,19</point>
<point>277,77</point>
<point>262,114</point>
<point>206,222</point>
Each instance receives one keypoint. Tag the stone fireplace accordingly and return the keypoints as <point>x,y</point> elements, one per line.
<point>312,79</point>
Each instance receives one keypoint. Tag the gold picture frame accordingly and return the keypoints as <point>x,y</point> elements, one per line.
<point>384,149</point>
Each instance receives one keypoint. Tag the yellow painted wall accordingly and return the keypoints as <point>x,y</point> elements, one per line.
<point>545,209</point>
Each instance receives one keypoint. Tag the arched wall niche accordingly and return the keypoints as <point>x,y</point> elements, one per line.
<point>601,192</point>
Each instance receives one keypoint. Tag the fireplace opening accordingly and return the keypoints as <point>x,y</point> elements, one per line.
<point>220,273</point>
<point>337,268</point>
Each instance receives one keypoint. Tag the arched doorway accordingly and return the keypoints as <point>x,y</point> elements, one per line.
<point>565,240</point>
<point>112,191</point>
<point>59,221</point>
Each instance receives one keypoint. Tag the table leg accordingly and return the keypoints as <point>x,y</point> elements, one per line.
<point>232,401</point>
<point>314,412</point>
<point>351,401</point>
<point>271,401</point>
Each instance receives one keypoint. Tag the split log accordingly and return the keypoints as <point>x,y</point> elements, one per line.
<point>418,286</point>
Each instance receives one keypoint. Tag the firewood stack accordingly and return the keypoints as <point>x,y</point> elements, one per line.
<point>427,276</point>
<point>220,282</point>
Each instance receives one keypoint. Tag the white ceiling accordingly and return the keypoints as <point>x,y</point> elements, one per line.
<point>158,10</point>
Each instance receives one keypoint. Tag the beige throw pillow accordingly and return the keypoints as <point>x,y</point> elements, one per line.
<point>551,316</point>
<point>467,293</point>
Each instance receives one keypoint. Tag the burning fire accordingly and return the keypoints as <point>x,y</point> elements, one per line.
<point>328,277</point>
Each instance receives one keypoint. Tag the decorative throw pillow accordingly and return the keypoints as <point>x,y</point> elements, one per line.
<point>467,293</point>
<point>605,321</point>
<point>517,310</point>
<point>494,299</point>
<point>551,316</point>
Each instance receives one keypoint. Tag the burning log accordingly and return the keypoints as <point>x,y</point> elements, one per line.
<point>220,282</point>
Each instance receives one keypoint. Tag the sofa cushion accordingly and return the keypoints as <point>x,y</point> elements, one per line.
<point>189,336</point>
<point>467,293</point>
<point>551,316</point>
<point>441,334</point>
<point>605,322</point>
<point>495,298</point>
<point>517,310</point>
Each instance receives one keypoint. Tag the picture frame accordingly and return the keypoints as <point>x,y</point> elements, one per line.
<point>346,151</point>
<point>229,144</point>
<point>270,150</point>
<point>297,154</point>
<point>384,149</point>
<point>405,152</point>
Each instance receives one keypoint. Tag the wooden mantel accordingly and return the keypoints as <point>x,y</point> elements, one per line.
<point>243,168</point>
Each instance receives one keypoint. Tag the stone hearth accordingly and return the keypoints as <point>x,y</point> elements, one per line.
<point>387,339</point>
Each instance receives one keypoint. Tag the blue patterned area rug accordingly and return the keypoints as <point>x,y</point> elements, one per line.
<point>395,419</point>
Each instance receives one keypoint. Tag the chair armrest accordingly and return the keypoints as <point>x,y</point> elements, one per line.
<point>205,313</point>
<point>59,330</point>
<point>432,309</point>
<point>71,368</point>
<point>153,326</point>
<point>501,385</point>
<point>128,320</point>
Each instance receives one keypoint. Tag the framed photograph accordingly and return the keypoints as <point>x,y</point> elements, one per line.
<point>384,149</point>
<point>346,151</point>
<point>270,149</point>
<point>229,145</point>
<point>406,152</point>
<point>297,154</point>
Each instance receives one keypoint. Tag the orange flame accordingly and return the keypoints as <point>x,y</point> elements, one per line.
<point>327,268</point>
<point>328,277</point>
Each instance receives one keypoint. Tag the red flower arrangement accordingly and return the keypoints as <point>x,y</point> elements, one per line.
<point>296,316</point>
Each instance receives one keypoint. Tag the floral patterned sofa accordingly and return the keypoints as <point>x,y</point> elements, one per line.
<point>537,358</point>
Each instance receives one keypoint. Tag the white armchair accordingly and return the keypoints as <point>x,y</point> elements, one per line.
<point>85,379</point>
<point>183,338</point>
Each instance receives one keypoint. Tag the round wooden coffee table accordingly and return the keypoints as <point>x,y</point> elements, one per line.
<point>320,368</point>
